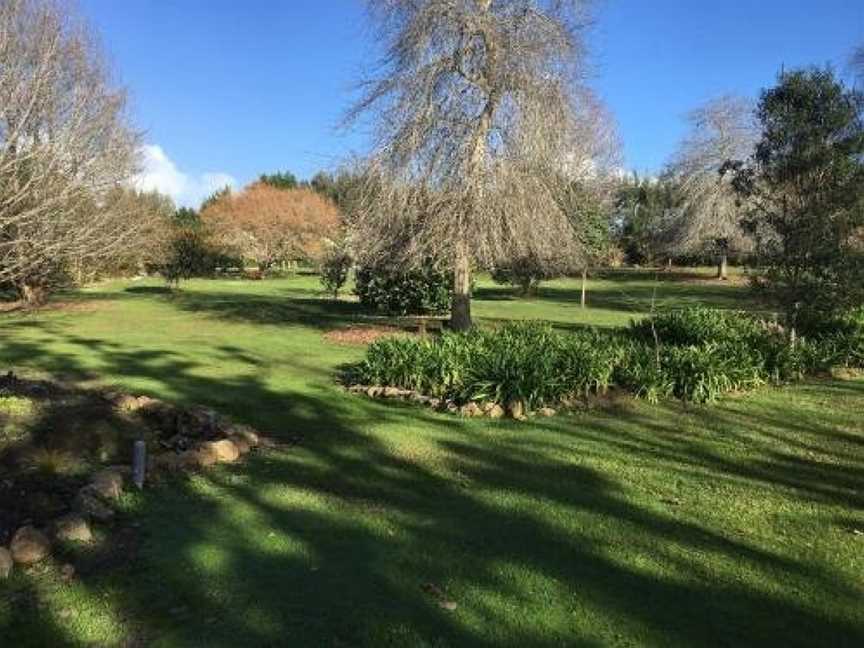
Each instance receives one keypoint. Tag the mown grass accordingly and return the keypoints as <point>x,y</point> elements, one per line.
<point>629,524</point>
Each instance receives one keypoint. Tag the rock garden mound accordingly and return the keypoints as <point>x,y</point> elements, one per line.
<point>66,455</point>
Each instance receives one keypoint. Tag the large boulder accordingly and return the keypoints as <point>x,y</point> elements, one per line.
<point>197,458</point>
<point>146,402</point>
<point>127,402</point>
<point>29,545</point>
<point>224,450</point>
<point>495,412</point>
<point>73,528</point>
<point>517,410</point>
<point>471,410</point>
<point>6,563</point>
<point>242,444</point>
<point>107,484</point>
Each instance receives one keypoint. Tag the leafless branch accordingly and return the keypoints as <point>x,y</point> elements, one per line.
<point>481,122</point>
<point>722,130</point>
<point>65,145</point>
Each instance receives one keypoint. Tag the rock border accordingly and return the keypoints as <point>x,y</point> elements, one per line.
<point>202,438</point>
<point>515,410</point>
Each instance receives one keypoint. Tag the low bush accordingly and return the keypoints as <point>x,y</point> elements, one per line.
<point>526,273</point>
<point>696,355</point>
<point>700,374</point>
<point>840,338</point>
<point>421,291</point>
<point>334,271</point>
<point>643,374</point>
<point>697,325</point>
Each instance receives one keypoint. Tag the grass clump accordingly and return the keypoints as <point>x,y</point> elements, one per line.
<point>17,406</point>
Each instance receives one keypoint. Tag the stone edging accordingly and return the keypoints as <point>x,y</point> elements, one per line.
<point>488,409</point>
<point>203,437</point>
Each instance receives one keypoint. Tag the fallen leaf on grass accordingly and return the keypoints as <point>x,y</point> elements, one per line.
<point>434,590</point>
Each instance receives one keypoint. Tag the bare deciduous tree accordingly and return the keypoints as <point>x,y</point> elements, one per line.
<point>150,215</point>
<point>481,123</point>
<point>723,129</point>
<point>857,62</point>
<point>65,144</point>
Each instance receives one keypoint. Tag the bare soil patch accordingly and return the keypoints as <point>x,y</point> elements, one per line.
<point>363,335</point>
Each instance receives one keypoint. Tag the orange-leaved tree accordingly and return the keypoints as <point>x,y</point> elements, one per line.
<point>268,225</point>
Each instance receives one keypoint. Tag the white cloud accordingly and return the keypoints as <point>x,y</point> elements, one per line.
<point>159,173</point>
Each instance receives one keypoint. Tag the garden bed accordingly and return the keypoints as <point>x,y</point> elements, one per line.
<point>695,355</point>
<point>66,454</point>
<point>362,335</point>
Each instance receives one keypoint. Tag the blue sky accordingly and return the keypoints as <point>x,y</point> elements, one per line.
<point>226,90</point>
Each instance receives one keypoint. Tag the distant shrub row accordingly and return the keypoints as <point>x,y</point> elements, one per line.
<point>695,355</point>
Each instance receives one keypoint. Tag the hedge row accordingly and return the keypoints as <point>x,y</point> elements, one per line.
<point>695,355</point>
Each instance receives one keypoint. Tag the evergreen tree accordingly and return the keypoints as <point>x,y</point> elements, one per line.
<point>804,188</point>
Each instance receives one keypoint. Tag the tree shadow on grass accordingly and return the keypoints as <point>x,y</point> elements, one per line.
<point>149,290</point>
<point>268,309</point>
<point>350,539</point>
<point>807,453</point>
<point>639,298</point>
<point>630,296</point>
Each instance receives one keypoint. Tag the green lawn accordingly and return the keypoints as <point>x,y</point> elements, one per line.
<point>630,524</point>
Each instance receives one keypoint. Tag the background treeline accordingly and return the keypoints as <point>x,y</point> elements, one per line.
<point>776,183</point>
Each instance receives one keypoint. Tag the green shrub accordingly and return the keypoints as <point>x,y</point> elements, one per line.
<point>587,360</point>
<point>334,271</point>
<point>516,362</point>
<point>642,373</point>
<point>399,291</point>
<point>188,256</point>
<point>697,325</point>
<point>526,273</point>
<point>840,339</point>
<point>703,373</point>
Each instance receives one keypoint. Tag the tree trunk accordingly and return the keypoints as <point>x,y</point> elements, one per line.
<point>460,310</point>
<point>33,294</point>
<point>584,300</point>
<point>722,267</point>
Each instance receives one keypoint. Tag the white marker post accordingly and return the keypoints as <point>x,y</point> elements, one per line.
<point>139,463</point>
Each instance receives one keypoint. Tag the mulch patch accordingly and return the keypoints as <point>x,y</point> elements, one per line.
<point>362,335</point>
